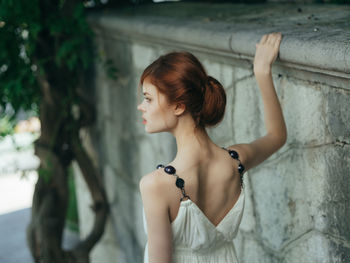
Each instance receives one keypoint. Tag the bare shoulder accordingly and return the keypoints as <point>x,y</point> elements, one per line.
<point>153,185</point>
<point>151,181</point>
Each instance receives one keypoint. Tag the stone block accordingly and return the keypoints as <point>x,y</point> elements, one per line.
<point>120,54</point>
<point>226,76</point>
<point>289,195</point>
<point>110,184</point>
<point>107,249</point>
<point>337,195</point>
<point>155,149</point>
<point>247,117</point>
<point>142,55</point>
<point>140,234</point>
<point>339,250</point>
<point>338,114</point>
<point>222,133</point>
<point>248,220</point>
<point>213,68</point>
<point>104,98</point>
<point>148,154</point>
<point>255,253</point>
<point>303,107</point>
<point>165,147</point>
<point>124,217</point>
<point>312,247</point>
<point>112,133</point>
<point>242,73</point>
<point>107,253</point>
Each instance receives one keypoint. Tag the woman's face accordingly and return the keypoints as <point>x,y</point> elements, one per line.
<point>157,113</point>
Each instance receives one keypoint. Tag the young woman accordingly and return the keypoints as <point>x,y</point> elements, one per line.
<point>194,204</point>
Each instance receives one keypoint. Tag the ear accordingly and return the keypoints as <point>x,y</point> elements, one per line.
<point>179,109</point>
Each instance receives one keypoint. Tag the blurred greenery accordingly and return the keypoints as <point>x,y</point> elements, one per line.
<point>6,126</point>
<point>72,217</point>
<point>25,58</point>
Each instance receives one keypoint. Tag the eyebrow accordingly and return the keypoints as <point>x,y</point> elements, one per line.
<point>146,93</point>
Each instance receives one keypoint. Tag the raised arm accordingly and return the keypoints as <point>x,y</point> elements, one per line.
<point>252,154</point>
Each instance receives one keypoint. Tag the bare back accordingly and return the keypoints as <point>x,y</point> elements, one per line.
<point>212,183</point>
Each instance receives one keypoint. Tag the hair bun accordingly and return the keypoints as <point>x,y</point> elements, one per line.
<point>214,102</point>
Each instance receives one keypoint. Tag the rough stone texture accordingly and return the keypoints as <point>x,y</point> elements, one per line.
<point>315,35</point>
<point>312,247</point>
<point>297,201</point>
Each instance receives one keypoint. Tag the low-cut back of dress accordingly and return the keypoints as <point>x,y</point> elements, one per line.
<point>195,238</point>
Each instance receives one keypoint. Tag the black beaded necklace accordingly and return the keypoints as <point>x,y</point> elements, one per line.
<point>180,183</point>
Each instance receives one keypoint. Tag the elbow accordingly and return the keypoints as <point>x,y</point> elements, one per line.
<point>281,136</point>
<point>279,139</point>
<point>282,139</point>
<point>284,136</point>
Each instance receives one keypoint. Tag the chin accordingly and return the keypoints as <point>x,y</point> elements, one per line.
<point>150,130</point>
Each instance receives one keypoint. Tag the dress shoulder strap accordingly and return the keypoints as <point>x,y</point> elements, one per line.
<point>235,156</point>
<point>180,183</point>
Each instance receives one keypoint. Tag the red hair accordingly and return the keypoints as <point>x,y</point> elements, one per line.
<point>182,79</point>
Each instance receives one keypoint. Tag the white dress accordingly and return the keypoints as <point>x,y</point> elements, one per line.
<point>196,239</point>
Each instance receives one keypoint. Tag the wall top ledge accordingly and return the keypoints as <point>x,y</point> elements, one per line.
<point>314,36</point>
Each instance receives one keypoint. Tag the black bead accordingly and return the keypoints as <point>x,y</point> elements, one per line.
<point>240,168</point>
<point>233,154</point>
<point>180,183</point>
<point>160,166</point>
<point>169,169</point>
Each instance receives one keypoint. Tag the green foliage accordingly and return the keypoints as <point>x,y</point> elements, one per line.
<point>21,61</point>
<point>6,126</point>
<point>18,30</point>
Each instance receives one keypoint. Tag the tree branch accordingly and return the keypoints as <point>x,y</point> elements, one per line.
<point>98,195</point>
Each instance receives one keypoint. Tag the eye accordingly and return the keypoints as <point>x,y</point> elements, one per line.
<point>148,99</point>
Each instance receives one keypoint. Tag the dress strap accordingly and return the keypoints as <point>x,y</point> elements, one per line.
<point>235,156</point>
<point>180,183</point>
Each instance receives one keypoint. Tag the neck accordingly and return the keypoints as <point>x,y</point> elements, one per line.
<point>191,142</point>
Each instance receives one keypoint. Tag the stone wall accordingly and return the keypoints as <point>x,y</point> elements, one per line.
<point>297,201</point>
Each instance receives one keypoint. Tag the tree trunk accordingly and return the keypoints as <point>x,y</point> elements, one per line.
<point>57,147</point>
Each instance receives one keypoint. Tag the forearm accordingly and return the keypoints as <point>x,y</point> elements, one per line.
<point>273,116</point>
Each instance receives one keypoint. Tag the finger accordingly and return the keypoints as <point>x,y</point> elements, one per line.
<point>278,35</point>
<point>263,39</point>
<point>276,46</point>
<point>278,39</point>
<point>271,39</point>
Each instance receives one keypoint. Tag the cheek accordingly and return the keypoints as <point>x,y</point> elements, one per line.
<point>161,118</point>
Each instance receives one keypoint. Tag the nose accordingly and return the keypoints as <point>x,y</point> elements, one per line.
<point>139,107</point>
